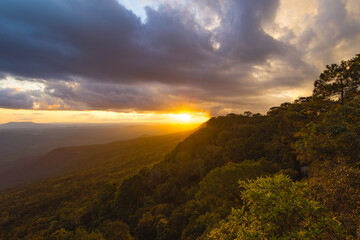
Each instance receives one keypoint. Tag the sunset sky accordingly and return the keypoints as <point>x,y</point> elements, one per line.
<point>168,60</point>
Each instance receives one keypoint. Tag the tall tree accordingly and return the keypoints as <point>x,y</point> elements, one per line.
<point>339,80</point>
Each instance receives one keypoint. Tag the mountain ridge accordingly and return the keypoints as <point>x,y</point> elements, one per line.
<point>66,160</point>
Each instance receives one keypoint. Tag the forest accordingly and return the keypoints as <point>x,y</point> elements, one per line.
<point>292,173</point>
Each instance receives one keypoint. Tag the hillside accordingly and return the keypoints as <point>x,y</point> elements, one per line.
<point>66,160</point>
<point>92,167</point>
<point>290,174</point>
<point>192,192</point>
<point>171,184</point>
<point>18,140</point>
<point>179,120</point>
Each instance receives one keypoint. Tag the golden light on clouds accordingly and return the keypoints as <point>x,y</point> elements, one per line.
<point>216,58</point>
<point>62,116</point>
<point>21,85</point>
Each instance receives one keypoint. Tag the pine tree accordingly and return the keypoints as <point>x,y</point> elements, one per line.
<point>339,80</point>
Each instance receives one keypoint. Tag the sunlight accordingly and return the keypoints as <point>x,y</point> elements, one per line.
<point>183,117</point>
<point>64,116</point>
<point>193,117</point>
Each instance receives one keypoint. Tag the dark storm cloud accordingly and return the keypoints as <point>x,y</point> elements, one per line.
<point>103,41</point>
<point>10,98</point>
<point>241,32</point>
<point>59,39</point>
<point>97,96</point>
<point>94,54</point>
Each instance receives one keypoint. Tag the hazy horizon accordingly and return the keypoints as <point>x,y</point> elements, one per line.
<point>102,123</point>
<point>164,60</point>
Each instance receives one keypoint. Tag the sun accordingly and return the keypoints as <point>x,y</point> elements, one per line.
<point>183,117</point>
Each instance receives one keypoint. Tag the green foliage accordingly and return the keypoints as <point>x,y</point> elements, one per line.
<point>146,227</point>
<point>76,200</point>
<point>340,80</point>
<point>276,208</point>
<point>235,149</point>
<point>336,138</point>
<point>115,230</point>
<point>78,234</point>
<point>163,230</point>
<point>173,182</point>
<point>338,188</point>
<point>219,192</point>
<point>130,195</point>
<point>220,184</point>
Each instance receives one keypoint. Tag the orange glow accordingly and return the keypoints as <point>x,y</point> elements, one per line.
<point>64,116</point>
<point>182,117</point>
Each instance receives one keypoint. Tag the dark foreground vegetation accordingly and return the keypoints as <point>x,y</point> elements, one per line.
<point>290,174</point>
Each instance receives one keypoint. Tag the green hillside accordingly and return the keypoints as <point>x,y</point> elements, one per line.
<point>37,205</point>
<point>19,141</point>
<point>70,159</point>
<point>293,173</point>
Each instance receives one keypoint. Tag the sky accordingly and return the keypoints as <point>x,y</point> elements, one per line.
<point>165,60</point>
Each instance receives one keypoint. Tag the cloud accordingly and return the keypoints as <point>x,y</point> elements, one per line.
<point>98,96</point>
<point>213,55</point>
<point>2,75</point>
<point>333,28</point>
<point>11,98</point>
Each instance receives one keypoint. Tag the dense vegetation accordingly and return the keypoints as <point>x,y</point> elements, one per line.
<point>28,211</point>
<point>237,177</point>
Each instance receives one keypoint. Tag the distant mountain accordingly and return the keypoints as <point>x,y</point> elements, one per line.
<point>19,140</point>
<point>67,160</point>
<point>21,125</point>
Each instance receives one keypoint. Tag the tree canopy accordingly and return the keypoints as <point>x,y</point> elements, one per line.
<point>276,208</point>
<point>339,80</point>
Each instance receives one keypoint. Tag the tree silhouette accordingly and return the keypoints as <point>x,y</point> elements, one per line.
<point>339,80</point>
